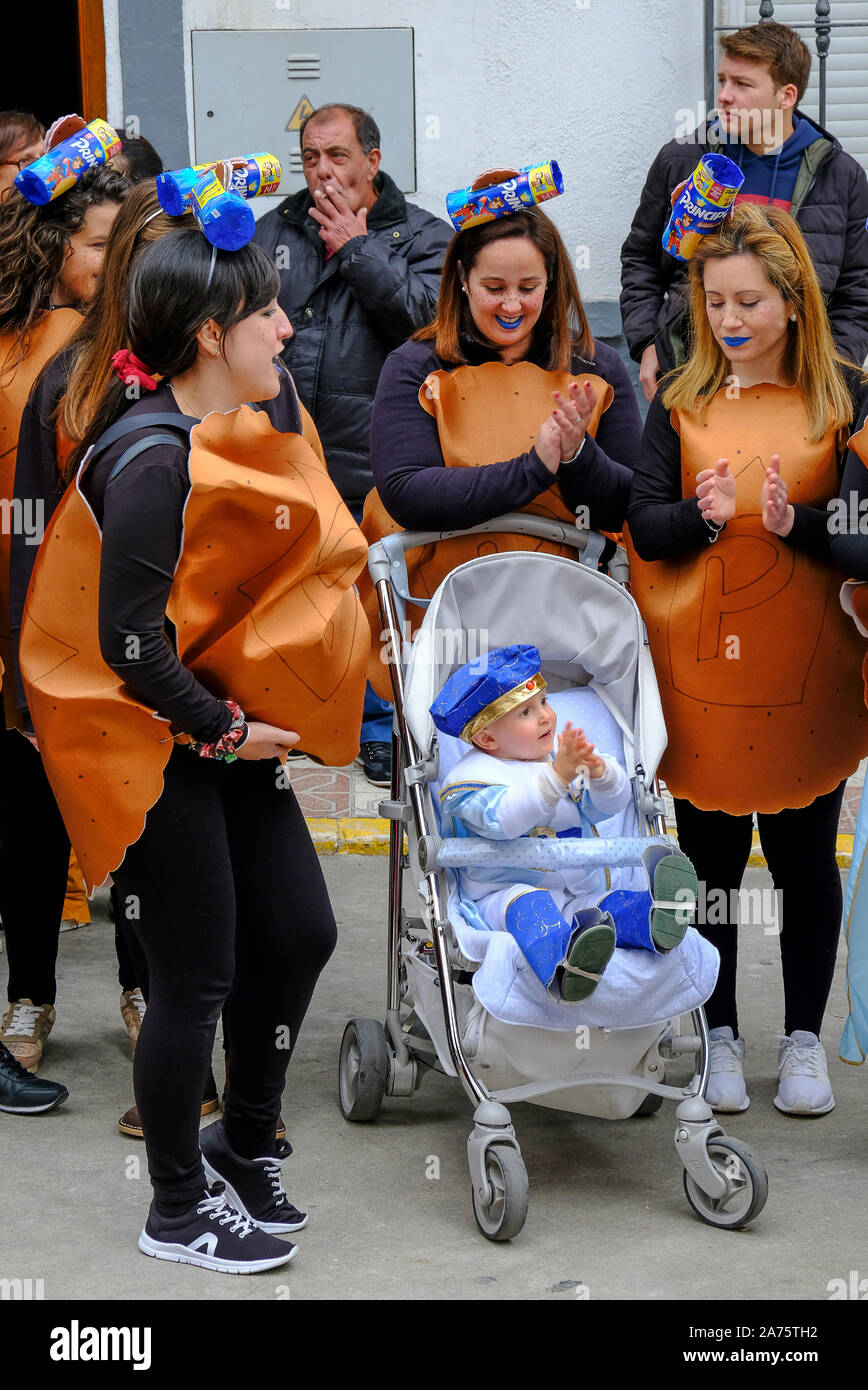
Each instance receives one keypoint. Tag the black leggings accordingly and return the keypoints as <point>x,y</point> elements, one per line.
<point>34,865</point>
<point>232,908</point>
<point>799,846</point>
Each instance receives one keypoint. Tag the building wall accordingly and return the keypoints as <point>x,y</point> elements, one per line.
<point>596,84</point>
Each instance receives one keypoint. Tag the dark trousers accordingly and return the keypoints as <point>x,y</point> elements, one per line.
<point>34,863</point>
<point>232,909</point>
<point>799,846</point>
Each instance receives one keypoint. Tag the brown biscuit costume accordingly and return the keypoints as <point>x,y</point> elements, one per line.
<point>758,666</point>
<point>483,414</point>
<point>264,610</point>
<point>16,382</point>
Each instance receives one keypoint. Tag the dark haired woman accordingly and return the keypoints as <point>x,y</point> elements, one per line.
<point>50,258</point>
<point>507,376</point>
<point>226,558</point>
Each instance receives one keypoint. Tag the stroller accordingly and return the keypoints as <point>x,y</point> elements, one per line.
<point>458,999</point>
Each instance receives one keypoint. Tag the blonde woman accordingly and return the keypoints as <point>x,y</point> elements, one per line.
<point>759,673</point>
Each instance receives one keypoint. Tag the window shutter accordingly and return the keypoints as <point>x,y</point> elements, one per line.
<point>846,63</point>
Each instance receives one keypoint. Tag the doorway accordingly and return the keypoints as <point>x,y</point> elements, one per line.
<point>55,59</point>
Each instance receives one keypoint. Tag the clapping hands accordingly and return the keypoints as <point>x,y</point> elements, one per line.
<point>562,432</point>
<point>574,754</point>
<point>715,489</point>
<point>778,514</point>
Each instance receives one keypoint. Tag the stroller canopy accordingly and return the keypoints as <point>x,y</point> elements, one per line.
<point>586,626</point>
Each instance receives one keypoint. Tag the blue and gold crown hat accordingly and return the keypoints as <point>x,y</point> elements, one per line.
<point>471,698</point>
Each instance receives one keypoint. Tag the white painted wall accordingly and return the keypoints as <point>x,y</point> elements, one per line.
<point>114,97</point>
<point>595,84</point>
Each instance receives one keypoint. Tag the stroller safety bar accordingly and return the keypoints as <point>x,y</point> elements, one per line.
<point>547,852</point>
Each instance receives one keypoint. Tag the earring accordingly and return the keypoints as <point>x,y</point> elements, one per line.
<point>463,289</point>
<point>792,318</point>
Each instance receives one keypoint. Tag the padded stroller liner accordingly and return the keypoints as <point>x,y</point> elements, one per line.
<point>638,987</point>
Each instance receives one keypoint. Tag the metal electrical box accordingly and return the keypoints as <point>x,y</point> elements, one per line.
<point>251,89</point>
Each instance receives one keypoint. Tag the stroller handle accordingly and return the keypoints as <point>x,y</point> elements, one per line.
<point>385,557</point>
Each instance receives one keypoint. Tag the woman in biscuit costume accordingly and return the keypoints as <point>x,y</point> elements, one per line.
<point>759,673</point>
<point>504,403</point>
<point>59,415</point>
<point>215,622</point>
<point>49,260</point>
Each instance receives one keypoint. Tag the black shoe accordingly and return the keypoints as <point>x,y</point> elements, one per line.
<point>24,1094</point>
<point>130,1121</point>
<point>253,1185</point>
<point>376,761</point>
<point>214,1235</point>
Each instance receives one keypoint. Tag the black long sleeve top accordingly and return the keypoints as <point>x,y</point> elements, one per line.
<point>850,531</point>
<point>421,493</point>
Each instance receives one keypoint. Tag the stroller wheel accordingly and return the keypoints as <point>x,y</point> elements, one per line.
<point>506,1212</point>
<point>363,1069</point>
<point>650,1104</point>
<point>747,1185</point>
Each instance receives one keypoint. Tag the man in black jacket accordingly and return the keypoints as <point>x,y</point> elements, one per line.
<point>788,160</point>
<point>359,272</point>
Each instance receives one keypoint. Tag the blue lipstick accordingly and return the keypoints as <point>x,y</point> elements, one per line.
<point>510,326</point>
<point>736,342</point>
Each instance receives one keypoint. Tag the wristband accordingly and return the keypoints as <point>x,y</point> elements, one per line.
<point>576,454</point>
<point>715,528</point>
<point>224,748</point>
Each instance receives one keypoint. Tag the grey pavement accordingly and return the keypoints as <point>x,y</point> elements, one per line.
<point>608,1218</point>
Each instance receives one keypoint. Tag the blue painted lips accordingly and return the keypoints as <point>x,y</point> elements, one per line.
<point>736,342</point>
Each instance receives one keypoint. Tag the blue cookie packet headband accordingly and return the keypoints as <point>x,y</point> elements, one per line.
<point>503,191</point>
<point>63,163</point>
<point>217,194</point>
<point>250,176</point>
<point>473,698</point>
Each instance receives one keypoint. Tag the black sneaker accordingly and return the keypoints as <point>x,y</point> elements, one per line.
<point>214,1235</point>
<point>24,1094</point>
<point>376,761</point>
<point>253,1185</point>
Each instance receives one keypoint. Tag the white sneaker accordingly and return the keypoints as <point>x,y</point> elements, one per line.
<point>726,1089</point>
<point>803,1077</point>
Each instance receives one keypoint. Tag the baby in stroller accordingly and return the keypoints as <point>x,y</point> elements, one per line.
<point>511,785</point>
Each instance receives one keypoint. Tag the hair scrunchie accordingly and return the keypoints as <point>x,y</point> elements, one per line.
<point>130,368</point>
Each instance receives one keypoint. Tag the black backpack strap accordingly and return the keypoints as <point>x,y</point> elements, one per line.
<point>139,448</point>
<point>129,423</point>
